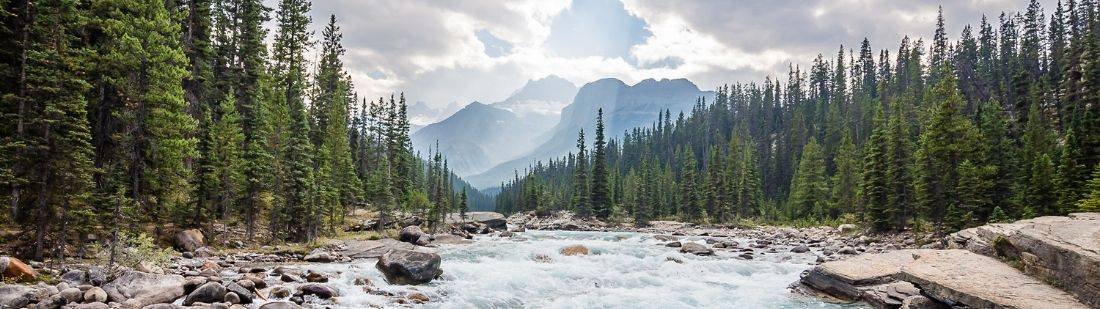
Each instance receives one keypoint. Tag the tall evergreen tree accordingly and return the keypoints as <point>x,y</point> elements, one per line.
<point>600,198</point>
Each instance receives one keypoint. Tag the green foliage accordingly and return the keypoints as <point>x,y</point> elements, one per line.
<point>133,249</point>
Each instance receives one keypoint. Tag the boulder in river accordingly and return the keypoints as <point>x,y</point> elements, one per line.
<point>209,292</point>
<point>189,240</point>
<point>321,290</point>
<point>696,249</point>
<point>413,235</point>
<point>409,267</point>
<point>574,250</point>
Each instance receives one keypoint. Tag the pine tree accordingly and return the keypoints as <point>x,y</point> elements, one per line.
<point>53,162</point>
<point>224,175</point>
<point>949,140</point>
<point>330,111</point>
<point>845,181</point>
<point>252,92</point>
<point>876,182</point>
<point>1091,202</point>
<point>580,202</point>
<point>144,67</point>
<point>808,188</point>
<point>298,216</point>
<point>600,199</point>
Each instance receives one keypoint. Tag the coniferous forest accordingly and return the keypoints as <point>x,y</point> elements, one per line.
<point>124,116</point>
<point>996,123</point>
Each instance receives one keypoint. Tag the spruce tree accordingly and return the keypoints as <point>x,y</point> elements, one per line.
<point>600,199</point>
<point>580,202</point>
<point>948,140</point>
<point>1091,202</point>
<point>144,66</point>
<point>808,188</point>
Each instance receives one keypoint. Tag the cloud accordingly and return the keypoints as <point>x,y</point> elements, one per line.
<point>600,28</point>
<point>441,51</point>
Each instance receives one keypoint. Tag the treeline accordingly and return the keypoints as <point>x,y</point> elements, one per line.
<point>1002,123</point>
<point>125,115</point>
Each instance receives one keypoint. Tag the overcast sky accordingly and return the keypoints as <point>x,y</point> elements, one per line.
<point>461,51</point>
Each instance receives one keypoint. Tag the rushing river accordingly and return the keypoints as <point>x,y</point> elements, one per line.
<point>624,270</point>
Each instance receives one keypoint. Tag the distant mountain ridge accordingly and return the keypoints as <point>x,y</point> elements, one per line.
<point>479,136</point>
<point>625,107</point>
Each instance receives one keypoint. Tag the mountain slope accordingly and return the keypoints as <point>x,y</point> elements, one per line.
<point>480,136</point>
<point>625,107</point>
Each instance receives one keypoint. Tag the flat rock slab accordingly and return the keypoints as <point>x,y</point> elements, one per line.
<point>845,278</point>
<point>362,249</point>
<point>494,220</point>
<point>1059,249</point>
<point>961,277</point>
<point>955,277</point>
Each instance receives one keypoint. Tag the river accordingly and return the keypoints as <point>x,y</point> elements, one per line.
<point>624,270</point>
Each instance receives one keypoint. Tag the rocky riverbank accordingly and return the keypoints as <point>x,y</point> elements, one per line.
<point>1046,262</point>
<point>1053,264</point>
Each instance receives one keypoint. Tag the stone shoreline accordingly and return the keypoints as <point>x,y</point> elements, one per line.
<point>886,271</point>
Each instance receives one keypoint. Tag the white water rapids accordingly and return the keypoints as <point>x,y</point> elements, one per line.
<point>624,270</point>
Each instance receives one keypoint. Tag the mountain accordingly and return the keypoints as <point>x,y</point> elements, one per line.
<point>421,114</point>
<point>545,96</point>
<point>480,136</point>
<point>625,107</point>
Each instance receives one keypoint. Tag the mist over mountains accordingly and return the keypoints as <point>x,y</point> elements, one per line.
<point>487,143</point>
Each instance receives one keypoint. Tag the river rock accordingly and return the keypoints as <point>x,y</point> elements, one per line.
<point>189,240</point>
<point>142,289</point>
<point>75,277</point>
<point>847,227</point>
<point>674,244</point>
<point>280,292</point>
<point>209,292</point>
<point>232,298</point>
<point>244,294</point>
<point>95,305</point>
<point>696,249</point>
<point>318,256</point>
<point>17,295</point>
<point>800,249</point>
<point>313,276</point>
<point>418,297</point>
<point>280,305</point>
<point>321,290</point>
<point>574,250</point>
<point>72,295</point>
<point>16,270</point>
<point>413,235</point>
<point>1061,249</point>
<point>409,267</point>
<point>95,294</point>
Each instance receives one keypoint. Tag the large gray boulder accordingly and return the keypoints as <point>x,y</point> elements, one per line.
<point>189,240</point>
<point>493,220</point>
<point>142,289</point>
<point>409,267</point>
<point>695,248</point>
<point>17,295</point>
<point>210,292</point>
<point>413,235</point>
<point>1058,249</point>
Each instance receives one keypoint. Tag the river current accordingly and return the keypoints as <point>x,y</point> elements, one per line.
<point>623,270</point>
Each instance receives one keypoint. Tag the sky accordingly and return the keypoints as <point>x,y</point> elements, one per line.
<point>442,51</point>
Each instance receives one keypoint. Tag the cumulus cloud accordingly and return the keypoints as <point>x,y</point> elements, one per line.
<point>441,51</point>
